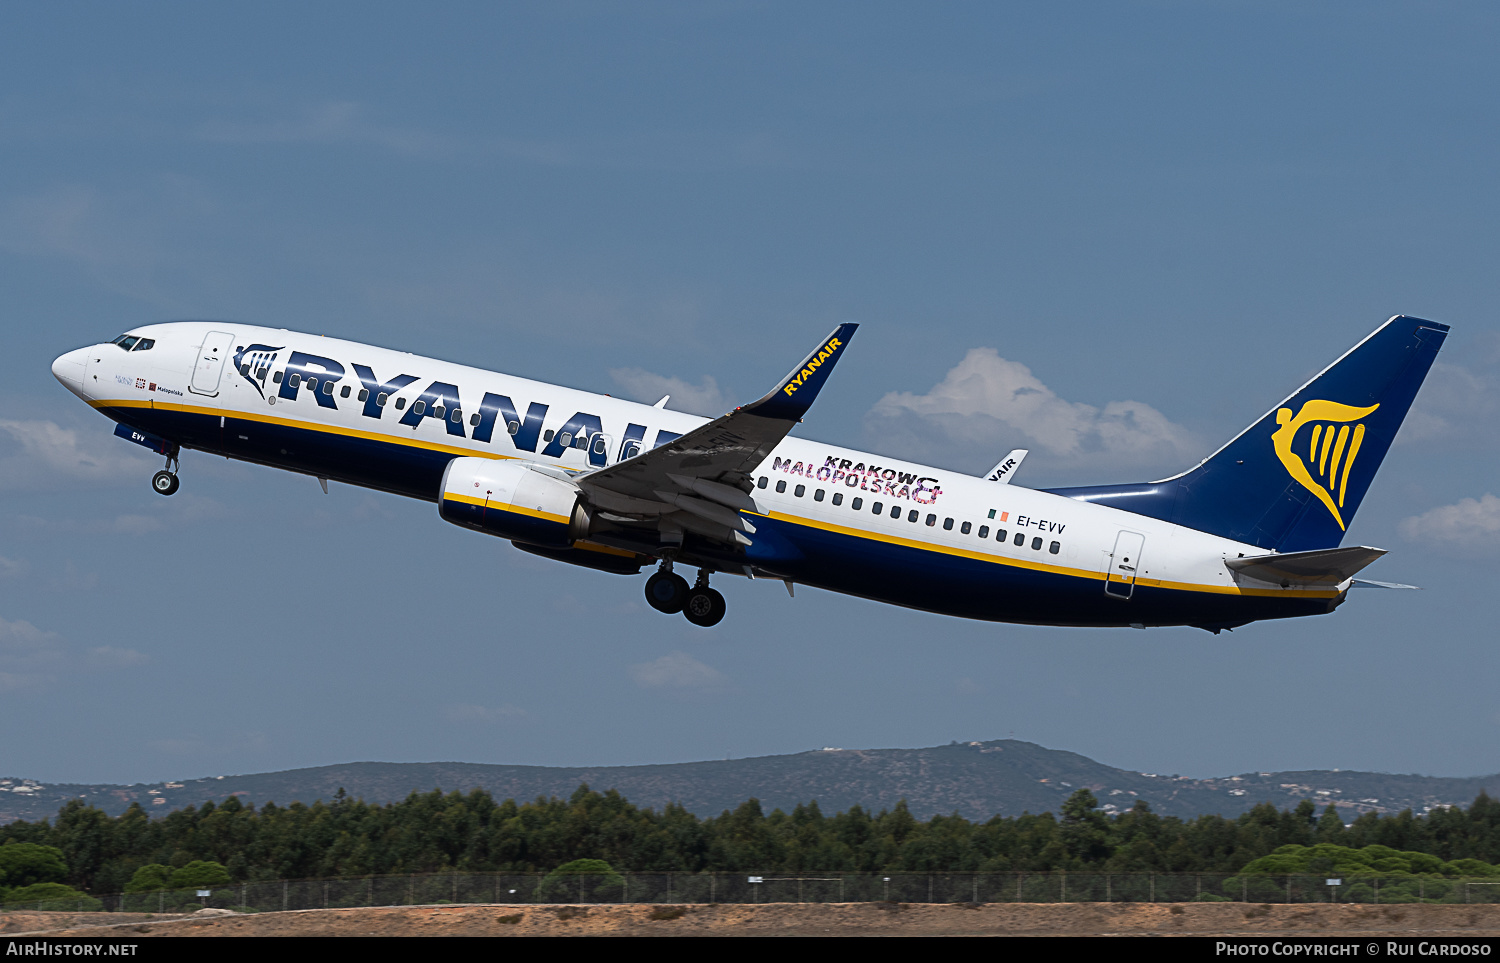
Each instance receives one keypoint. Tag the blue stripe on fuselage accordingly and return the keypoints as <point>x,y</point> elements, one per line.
<point>868,567</point>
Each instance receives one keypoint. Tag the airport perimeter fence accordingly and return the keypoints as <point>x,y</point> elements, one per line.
<point>533,888</point>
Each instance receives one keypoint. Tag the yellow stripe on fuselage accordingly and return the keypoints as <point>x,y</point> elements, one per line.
<point>777,516</point>
<point>1043,566</point>
<point>501,507</point>
<point>305,425</point>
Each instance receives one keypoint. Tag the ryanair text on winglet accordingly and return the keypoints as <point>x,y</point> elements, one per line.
<point>824,354</point>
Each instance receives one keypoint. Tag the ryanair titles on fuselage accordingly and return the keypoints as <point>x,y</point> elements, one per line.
<point>321,376</point>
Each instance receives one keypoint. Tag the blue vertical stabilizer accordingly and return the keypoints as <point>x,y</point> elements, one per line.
<point>1292,481</point>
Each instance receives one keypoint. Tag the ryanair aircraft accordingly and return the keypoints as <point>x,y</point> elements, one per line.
<point>1250,533</point>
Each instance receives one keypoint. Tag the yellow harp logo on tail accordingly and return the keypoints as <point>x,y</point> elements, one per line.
<point>1330,448</point>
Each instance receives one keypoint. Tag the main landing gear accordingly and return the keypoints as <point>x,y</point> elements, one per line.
<point>668,592</point>
<point>164,482</point>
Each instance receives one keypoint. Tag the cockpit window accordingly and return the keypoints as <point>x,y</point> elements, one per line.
<point>125,341</point>
<point>145,344</point>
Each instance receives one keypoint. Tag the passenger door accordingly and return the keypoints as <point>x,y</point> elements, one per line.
<point>1124,563</point>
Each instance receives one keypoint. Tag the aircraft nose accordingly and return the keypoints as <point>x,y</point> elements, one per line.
<point>68,369</point>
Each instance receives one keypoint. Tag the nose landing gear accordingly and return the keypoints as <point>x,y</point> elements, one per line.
<point>165,482</point>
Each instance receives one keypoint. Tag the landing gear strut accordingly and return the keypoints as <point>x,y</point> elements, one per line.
<point>703,605</point>
<point>164,482</point>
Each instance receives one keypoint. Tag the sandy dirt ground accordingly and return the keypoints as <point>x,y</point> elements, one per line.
<point>790,919</point>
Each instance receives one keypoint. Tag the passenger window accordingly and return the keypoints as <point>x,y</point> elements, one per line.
<point>581,441</point>
<point>344,392</point>
<point>261,374</point>
<point>913,515</point>
<point>965,527</point>
<point>417,407</point>
<point>438,411</point>
<point>328,389</point>
<point>146,345</point>
<point>781,487</point>
<point>818,495</point>
<point>457,417</point>
<point>947,524</point>
<point>276,378</point>
<point>838,498</point>
<point>400,403</point>
<point>512,427</point>
<point>312,384</point>
<point>381,399</point>
<point>600,445</point>
<point>764,481</point>
<point>294,380</point>
<point>877,508</point>
<point>896,512</point>
<point>1036,544</point>
<point>474,419</point>
<point>857,504</point>
<point>245,370</point>
<point>931,520</point>
<point>1054,548</point>
<point>1020,539</point>
<point>984,531</point>
<point>565,439</point>
<point>799,490</point>
<point>546,435</point>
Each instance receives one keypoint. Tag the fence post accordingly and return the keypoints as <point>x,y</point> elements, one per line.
<point>1153,887</point>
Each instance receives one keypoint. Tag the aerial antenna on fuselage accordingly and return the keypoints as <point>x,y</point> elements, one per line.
<point>1006,469</point>
<point>662,403</point>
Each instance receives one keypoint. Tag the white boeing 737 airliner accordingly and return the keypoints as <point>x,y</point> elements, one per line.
<point>1250,533</point>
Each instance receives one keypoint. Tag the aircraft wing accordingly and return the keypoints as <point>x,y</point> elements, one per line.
<point>702,480</point>
<point>1324,566</point>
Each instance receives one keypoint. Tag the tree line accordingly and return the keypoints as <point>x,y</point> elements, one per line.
<point>89,850</point>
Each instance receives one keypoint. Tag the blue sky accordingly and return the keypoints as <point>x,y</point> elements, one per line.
<point>1149,220</point>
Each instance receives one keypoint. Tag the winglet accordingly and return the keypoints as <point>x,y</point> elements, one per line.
<point>795,394</point>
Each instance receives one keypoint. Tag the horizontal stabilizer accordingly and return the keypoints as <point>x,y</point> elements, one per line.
<point>1371,583</point>
<point>1324,566</point>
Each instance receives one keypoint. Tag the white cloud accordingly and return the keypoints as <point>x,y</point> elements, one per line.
<point>28,655</point>
<point>677,671</point>
<point>332,122</point>
<point>704,398</point>
<point>988,402</point>
<point>143,243</point>
<point>472,714</point>
<point>1456,402</point>
<point>13,567</point>
<point>43,455</point>
<point>1470,527</point>
<point>111,657</point>
<point>33,658</point>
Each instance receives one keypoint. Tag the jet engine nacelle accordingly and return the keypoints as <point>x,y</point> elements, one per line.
<point>511,500</point>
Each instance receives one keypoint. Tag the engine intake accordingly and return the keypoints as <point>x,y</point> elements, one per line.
<point>509,499</point>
